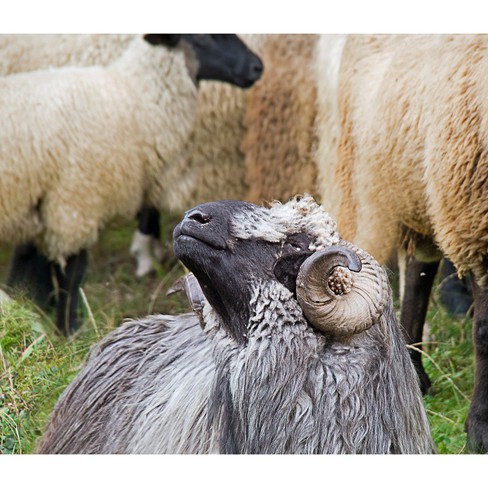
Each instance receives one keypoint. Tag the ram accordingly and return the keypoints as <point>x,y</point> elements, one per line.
<point>96,142</point>
<point>295,350</point>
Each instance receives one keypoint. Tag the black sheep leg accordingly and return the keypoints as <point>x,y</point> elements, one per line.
<point>30,270</point>
<point>146,241</point>
<point>419,277</point>
<point>68,284</point>
<point>148,222</point>
<point>477,420</point>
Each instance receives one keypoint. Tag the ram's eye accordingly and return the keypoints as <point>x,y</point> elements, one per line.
<point>291,247</point>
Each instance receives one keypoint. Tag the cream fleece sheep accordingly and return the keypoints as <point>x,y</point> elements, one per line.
<point>58,190</point>
<point>30,52</point>
<point>215,164</point>
<point>413,144</point>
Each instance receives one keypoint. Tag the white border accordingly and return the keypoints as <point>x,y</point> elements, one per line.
<point>244,16</point>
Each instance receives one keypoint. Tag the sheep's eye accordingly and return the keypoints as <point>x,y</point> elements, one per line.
<point>291,246</point>
<point>296,243</point>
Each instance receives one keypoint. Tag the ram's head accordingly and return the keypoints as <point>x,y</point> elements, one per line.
<point>232,246</point>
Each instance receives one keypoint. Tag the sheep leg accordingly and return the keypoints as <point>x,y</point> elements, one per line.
<point>30,270</point>
<point>477,419</point>
<point>419,277</point>
<point>69,280</point>
<point>146,242</point>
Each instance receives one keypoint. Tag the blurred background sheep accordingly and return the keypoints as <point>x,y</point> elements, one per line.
<point>103,141</point>
<point>412,167</point>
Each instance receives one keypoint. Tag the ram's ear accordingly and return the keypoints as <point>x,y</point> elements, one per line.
<point>169,40</point>
<point>287,266</point>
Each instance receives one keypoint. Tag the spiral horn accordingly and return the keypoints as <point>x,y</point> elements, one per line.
<point>342,290</point>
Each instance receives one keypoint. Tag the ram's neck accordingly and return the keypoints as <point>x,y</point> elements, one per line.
<point>259,394</point>
<point>291,390</point>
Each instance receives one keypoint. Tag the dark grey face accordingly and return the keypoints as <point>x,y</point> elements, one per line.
<point>221,57</point>
<point>227,267</point>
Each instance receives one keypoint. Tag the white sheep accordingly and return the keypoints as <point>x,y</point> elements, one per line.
<point>244,145</point>
<point>215,162</point>
<point>82,145</point>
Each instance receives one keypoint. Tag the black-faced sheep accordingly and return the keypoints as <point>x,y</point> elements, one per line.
<point>98,142</point>
<point>413,155</point>
<point>215,165</point>
<point>296,350</point>
<point>244,145</point>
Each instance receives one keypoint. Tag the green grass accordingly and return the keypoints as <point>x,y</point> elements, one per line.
<point>36,364</point>
<point>449,361</point>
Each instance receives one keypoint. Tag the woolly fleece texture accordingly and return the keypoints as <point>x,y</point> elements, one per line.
<point>273,224</point>
<point>413,147</point>
<point>281,109</point>
<point>327,62</point>
<point>31,52</point>
<point>58,190</point>
<point>212,164</point>
<point>257,144</point>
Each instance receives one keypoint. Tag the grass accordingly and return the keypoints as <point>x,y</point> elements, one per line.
<point>36,364</point>
<point>449,361</point>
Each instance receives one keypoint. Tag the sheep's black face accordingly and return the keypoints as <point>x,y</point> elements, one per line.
<point>224,57</point>
<point>221,57</point>
<point>226,266</point>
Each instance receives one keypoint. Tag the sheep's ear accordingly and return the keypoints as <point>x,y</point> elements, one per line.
<point>287,266</point>
<point>169,40</point>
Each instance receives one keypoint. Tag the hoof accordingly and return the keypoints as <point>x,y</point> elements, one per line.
<point>4,298</point>
<point>141,250</point>
<point>424,380</point>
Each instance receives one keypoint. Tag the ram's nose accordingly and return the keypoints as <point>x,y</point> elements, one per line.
<point>198,216</point>
<point>205,224</point>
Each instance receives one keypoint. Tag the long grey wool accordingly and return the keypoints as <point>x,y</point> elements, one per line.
<point>164,385</point>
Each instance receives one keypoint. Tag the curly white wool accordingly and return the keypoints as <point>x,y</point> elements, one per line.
<point>58,190</point>
<point>301,214</point>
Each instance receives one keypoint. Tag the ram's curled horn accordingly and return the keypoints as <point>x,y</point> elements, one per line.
<point>342,290</point>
